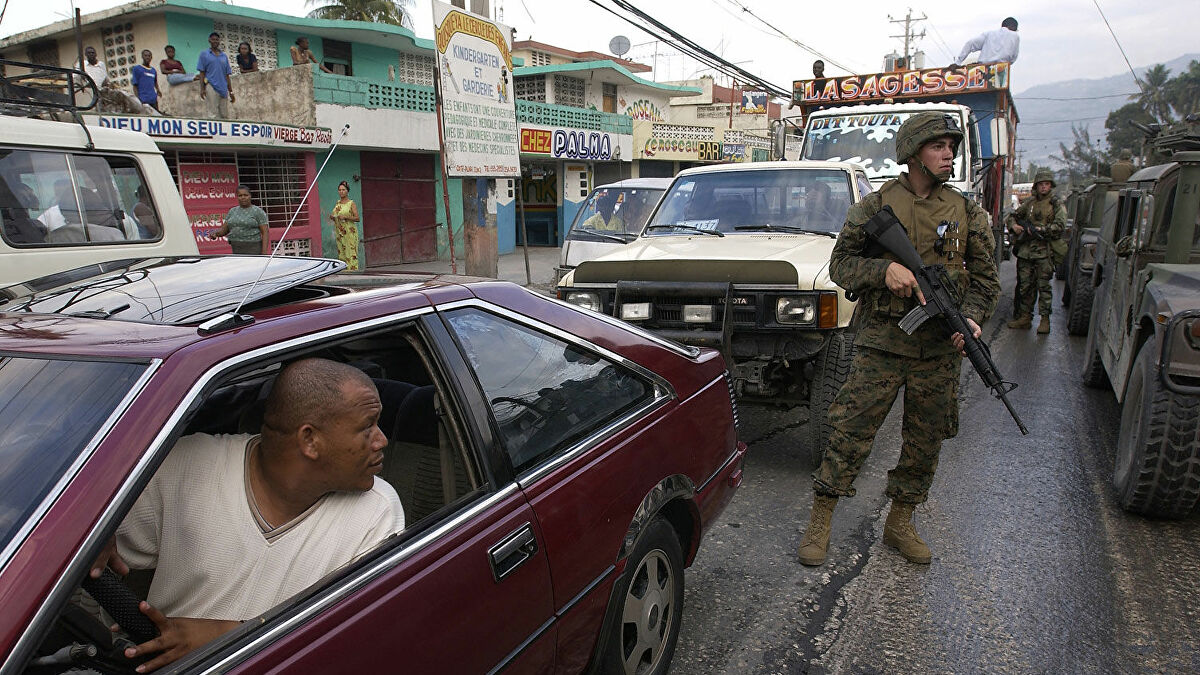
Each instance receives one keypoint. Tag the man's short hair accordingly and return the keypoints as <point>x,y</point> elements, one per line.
<point>1009,23</point>
<point>214,33</point>
<point>169,47</point>
<point>309,391</point>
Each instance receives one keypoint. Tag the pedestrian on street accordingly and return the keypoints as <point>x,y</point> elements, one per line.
<point>345,226</point>
<point>1039,243</point>
<point>145,81</point>
<point>246,60</point>
<point>246,225</point>
<point>994,46</point>
<point>945,228</point>
<point>173,69</point>
<point>214,70</point>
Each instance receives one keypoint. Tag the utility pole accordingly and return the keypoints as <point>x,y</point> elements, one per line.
<point>909,37</point>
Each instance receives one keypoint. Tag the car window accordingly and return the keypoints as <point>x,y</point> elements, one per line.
<point>545,394</point>
<point>864,185</point>
<point>864,139</point>
<point>50,199</point>
<point>744,202</point>
<point>49,412</point>
<point>1163,232</point>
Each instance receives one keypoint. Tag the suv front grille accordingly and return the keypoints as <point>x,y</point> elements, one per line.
<point>667,312</point>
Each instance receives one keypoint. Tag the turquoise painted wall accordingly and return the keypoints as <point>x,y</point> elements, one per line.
<point>454,186</point>
<point>189,35</point>
<point>285,38</point>
<point>343,166</point>
<point>371,61</point>
<point>506,227</point>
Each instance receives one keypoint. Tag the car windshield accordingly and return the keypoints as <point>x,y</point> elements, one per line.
<point>614,211</point>
<point>746,202</point>
<point>868,140</point>
<point>50,409</point>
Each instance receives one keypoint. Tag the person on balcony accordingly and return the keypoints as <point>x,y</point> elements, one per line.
<point>302,55</point>
<point>214,69</point>
<point>145,81</point>
<point>173,70</point>
<point>93,66</point>
<point>246,60</point>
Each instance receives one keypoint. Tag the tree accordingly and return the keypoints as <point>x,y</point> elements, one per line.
<point>1122,134</point>
<point>394,12</point>
<point>1183,91</point>
<point>1153,98</point>
<point>1083,159</point>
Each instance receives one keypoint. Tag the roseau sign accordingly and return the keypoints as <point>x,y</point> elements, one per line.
<point>906,84</point>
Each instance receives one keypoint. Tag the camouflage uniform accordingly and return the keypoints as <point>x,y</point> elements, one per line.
<point>924,363</point>
<point>1035,266</point>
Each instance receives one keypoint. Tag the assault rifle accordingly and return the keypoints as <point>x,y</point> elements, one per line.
<point>1028,234</point>
<point>888,234</point>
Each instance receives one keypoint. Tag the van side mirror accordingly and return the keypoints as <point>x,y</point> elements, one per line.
<point>1124,246</point>
<point>778,139</point>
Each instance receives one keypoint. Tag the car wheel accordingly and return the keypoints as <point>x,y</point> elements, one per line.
<point>645,628</point>
<point>1079,312</point>
<point>1093,368</point>
<point>1157,471</point>
<point>832,367</point>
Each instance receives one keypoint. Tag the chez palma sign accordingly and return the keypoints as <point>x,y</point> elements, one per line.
<point>566,143</point>
<point>217,132</point>
<point>906,84</point>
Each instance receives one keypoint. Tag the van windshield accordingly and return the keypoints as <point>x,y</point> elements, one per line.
<point>614,211</point>
<point>865,139</point>
<point>50,409</point>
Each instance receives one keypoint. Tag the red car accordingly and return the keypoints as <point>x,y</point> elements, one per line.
<point>557,471</point>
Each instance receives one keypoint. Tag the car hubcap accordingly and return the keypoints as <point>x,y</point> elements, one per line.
<point>646,619</point>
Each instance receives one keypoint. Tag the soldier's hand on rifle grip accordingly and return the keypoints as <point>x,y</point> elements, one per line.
<point>959,342</point>
<point>1016,229</point>
<point>901,281</point>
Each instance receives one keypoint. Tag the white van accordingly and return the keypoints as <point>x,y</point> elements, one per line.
<point>612,216</point>
<point>64,205</point>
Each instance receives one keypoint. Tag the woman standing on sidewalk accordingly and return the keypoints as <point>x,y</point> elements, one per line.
<point>246,225</point>
<point>345,226</point>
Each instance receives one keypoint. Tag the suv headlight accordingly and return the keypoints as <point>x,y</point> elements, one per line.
<point>796,309</point>
<point>584,299</point>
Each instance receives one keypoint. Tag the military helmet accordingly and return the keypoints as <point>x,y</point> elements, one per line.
<point>1126,153</point>
<point>1043,174</point>
<point>922,128</point>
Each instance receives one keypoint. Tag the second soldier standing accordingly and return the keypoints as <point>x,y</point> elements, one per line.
<point>1045,217</point>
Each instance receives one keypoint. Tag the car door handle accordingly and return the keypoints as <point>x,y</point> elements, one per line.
<point>510,552</point>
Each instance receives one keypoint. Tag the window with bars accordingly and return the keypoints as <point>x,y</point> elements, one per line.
<point>43,53</point>
<point>336,56</point>
<point>569,91</point>
<point>531,88</point>
<point>537,58</point>
<point>276,182</point>
<point>610,97</point>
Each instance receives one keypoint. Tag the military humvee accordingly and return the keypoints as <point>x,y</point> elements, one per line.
<point>1096,205</point>
<point>1144,334</point>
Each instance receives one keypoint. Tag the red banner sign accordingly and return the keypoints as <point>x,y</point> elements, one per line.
<point>209,191</point>
<point>905,84</point>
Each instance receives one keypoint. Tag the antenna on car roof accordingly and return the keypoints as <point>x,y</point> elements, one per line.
<point>234,319</point>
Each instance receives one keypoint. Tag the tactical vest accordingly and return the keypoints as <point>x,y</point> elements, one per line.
<point>943,216</point>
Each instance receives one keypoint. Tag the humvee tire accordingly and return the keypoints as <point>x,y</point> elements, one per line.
<point>832,367</point>
<point>1157,471</point>
<point>1094,375</point>
<point>1079,314</point>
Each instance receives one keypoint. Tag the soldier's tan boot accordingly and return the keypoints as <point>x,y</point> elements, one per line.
<point>816,538</point>
<point>900,534</point>
<point>1044,325</point>
<point>1021,322</point>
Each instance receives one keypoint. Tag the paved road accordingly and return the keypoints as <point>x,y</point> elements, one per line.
<point>1034,568</point>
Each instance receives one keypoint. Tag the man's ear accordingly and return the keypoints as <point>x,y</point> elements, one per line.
<point>309,439</point>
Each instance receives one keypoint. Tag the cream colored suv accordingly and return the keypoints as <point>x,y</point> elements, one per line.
<point>736,257</point>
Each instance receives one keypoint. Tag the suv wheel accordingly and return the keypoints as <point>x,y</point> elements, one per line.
<point>1079,314</point>
<point>1093,368</point>
<point>645,628</point>
<point>832,367</point>
<point>1157,472</point>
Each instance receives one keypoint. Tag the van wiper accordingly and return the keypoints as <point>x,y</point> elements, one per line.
<point>681,226</point>
<point>602,235</point>
<point>767,227</point>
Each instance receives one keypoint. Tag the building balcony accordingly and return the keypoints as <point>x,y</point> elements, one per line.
<point>532,112</point>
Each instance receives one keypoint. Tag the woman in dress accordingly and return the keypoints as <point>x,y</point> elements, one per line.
<point>345,226</point>
<point>246,226</point>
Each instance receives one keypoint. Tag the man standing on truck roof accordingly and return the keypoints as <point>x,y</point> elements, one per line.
<point>948,229</point>
<point>1038,224</point>
<point>994,46</point>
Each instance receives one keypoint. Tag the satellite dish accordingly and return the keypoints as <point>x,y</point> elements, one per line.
<point>618,45</point>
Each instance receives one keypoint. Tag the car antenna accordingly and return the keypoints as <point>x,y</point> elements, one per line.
<point>233,319</point>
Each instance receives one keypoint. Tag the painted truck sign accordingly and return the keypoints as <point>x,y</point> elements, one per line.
<point>906,84</point>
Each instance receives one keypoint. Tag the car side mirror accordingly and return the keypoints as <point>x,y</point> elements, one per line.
<point>1125,246</point>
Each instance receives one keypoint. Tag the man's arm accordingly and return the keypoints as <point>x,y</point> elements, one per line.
<point>177,637</point>
<point>201,77</point>
<point>1058,223</point>
<point>973,45</point>
<point>229,87</point>
<point>983,289</point>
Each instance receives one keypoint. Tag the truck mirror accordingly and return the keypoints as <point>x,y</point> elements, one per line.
<point>778,139</point>
<point>1124,247</point>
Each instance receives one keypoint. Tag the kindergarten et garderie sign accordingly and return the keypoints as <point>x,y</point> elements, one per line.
<point>183,131</point>
<point>978,77</point>
<point>474,70</point>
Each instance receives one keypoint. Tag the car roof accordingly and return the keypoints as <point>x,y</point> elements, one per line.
<point>771,166</point>
<point>652,183</point>
<point>45,133</point>
<point>1152,172</point>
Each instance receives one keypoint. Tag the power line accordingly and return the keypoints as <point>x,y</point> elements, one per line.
<point>1119,47</point>
<point>789,38</point>
<point>1079,119</point>
<point>941,42</point>
<point>1073,98</point>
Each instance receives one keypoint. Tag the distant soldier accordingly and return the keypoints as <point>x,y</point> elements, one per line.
<point>1038,224</point>
<point>1123,168</point>
<point>946,228</point>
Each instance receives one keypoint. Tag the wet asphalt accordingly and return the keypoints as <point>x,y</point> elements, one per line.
<point>1035,569</point>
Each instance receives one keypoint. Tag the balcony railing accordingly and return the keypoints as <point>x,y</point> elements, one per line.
<point>531,112</point>
<point>369,93</point>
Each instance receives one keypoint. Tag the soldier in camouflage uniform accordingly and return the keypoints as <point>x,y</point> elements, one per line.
<point>947,228</point>
<point>1035,264</point>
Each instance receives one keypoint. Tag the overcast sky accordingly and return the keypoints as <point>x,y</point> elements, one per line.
<point>1060,39</point>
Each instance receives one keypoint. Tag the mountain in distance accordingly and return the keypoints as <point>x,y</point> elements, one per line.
<point>1046,123</point>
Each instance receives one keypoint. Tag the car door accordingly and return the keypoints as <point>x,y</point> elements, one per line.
<point>1117,270</point>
